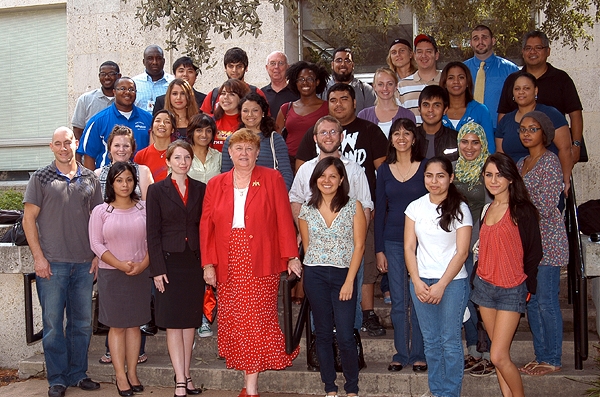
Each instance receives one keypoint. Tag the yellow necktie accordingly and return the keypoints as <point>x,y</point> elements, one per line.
<point>479,83</point>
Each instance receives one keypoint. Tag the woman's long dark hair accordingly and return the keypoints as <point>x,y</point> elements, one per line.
<point>469,78</point>
<point>519,203</point>
<point>341,197</point>
<point>267,124</point>
<point>415,150</point>
<point>449,209</point>
<point>115,170</point>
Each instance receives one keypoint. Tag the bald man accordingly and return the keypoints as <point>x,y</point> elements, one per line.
<point>278,92</point>
<point>154,81</point>
<point>58,202</point>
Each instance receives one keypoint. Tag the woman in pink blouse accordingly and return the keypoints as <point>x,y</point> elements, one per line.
<point>123,274</point>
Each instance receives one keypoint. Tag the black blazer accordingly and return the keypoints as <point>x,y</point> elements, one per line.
<point>169,222</point>
<point>159,104</point>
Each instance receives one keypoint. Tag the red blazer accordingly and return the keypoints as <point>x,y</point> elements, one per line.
<point>268,219</point>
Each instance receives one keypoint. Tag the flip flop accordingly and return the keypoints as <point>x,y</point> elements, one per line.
<point>543,369</point>
<point>142,358</point>
<point>105,359</point>
<point>525,369</point>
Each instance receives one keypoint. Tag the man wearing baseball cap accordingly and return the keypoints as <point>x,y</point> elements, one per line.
<point>426,54</point>
<point>400,58</point>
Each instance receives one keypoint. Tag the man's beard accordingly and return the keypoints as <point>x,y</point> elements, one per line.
<point>343,78</point>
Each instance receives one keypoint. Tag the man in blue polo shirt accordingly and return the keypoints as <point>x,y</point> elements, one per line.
<point>122,112</point>
<point>494,69</point>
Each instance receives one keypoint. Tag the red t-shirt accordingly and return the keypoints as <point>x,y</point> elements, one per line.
<point>226,126</point>
<point>155,160</point>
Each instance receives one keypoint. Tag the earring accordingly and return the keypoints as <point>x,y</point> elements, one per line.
<point>536,97</point>
<point>513,99</point>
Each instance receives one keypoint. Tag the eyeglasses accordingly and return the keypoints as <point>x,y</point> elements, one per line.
<point>531,130</point>
<point>109,74</point>
<point>328,133</point>
<point>123,89</point>
<point>302,80</point>
<point>279,63</point>
<point>537,48</point>
<point>341,60</point>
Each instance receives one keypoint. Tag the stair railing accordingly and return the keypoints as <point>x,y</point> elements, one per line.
<point>577,280</point>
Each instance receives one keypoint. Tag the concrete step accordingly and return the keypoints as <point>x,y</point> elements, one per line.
<point>376,349</point>
<point>375,380</point>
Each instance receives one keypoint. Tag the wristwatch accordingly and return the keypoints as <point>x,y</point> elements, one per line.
<point>577,143</point>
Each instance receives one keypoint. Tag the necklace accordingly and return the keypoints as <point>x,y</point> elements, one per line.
<point>161,152</point>
<point>240,190</point>
<point>405,176</point>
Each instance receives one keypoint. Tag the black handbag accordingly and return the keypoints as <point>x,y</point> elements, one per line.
<point>313,359</point>
<point>16,234</point>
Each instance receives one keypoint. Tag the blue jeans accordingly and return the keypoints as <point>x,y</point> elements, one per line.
<point>441,327</point>
<point>545,318</point>
<point>69,290</point>
<point>409,346</point>
<point>358,315</point>
<point>322,286</point>
<point>471,334</point>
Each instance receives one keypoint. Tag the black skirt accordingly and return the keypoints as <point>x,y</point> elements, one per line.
<point>180,306</point>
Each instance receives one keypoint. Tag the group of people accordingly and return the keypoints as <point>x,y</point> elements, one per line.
<point>413,178</point>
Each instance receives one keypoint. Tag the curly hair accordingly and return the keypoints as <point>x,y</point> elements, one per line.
<point>294,70</point>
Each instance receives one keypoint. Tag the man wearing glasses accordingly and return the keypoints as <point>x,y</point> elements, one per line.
<point>93,144</point>
<point>342,68</point>
<point>96,100</point>
<point>555,87</point>
<point>278,92</point>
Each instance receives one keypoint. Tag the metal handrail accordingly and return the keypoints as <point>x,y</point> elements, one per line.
<point>291,332</point>
<point>577,280</point>
<point>30,336</point>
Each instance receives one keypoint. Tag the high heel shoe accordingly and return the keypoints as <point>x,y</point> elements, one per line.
<point>136,388</point>
<point>242,393</point>
<point>124,393</point>
<point>194,391</point>
<point>180,385</point>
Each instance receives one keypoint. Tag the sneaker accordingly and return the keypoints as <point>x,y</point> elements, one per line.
<point>204,331</point>
<point>471,362</point>
<point>484,368</point>
<point>372,326</point>
<point>56,391</point>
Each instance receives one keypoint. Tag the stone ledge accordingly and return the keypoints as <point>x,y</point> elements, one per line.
<point>15,259</point>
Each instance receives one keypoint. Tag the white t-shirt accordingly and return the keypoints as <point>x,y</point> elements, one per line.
<point>435,247</point>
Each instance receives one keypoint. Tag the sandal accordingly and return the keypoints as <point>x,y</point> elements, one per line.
<point>105,359</point>
<point>142,358</point>
<point>543,369</point>
<point>525,369</point>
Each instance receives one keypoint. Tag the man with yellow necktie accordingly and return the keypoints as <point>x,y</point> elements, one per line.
<point>488,70</point>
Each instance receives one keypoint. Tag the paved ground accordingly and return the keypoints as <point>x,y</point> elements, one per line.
<point>39,388</point>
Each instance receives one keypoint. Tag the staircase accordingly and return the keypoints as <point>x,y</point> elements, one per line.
<point>374,381</point>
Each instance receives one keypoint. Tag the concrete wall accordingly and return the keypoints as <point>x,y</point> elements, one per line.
<point>14,261</point>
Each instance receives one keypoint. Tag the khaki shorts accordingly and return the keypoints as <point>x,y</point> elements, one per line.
<point>371,272</point>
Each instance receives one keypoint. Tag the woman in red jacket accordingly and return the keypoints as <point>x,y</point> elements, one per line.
<point>247,239</point>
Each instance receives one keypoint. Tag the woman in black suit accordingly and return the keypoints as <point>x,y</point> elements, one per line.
<point>174,207</point>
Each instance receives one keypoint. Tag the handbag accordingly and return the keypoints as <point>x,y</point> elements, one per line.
<point>312,358</point>
<point>284,131</point>
<point>15,234</point>
<point>210,304</point>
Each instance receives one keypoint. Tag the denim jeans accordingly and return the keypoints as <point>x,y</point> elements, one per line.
<point>409,346</point>
<point>545,318</point>
<point>69,290</point>
<point>441,327</point>
<point>358,315</point>
<point>471,334</point>
<point>322,286</point>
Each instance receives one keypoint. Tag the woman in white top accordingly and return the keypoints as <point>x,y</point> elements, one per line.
<point>207,161</point>
<point>437,233</point>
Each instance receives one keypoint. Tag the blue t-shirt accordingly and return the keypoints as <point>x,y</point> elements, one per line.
<point>508,131</point>
<point>477,113</point>
<point>497,70</point>
<point>392,199</point>
<point>94,139</point>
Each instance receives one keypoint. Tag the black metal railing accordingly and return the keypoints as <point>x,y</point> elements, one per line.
<point>30,335</point>
<point>293,332</point>
<point>577,281</point>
